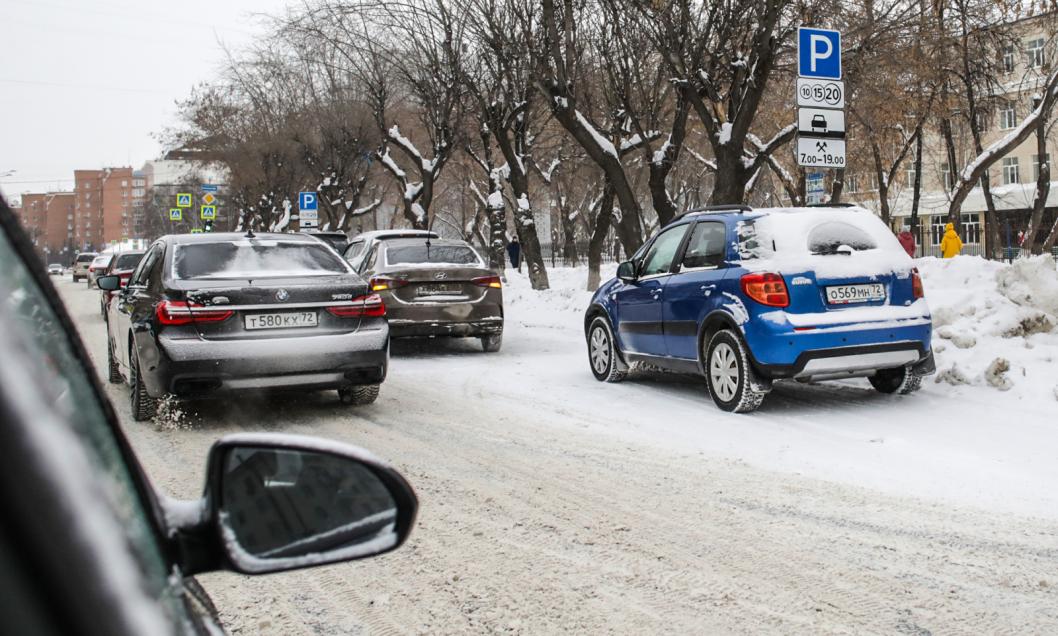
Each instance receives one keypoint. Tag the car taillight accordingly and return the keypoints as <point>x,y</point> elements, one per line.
<point>382,283</point>
<point>488,281</point>
<point>767,289</point>
<point>370,306</point>
<point>178,312</point>
<point>916,284</point>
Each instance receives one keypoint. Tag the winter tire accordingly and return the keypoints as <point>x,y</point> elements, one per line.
<point>729,375</point>
<point>113,371</point>
<point>492,344</point>
<point>602,353</point>
<point>899,380</point>
<point>359,395</point>
<point>143,406</point>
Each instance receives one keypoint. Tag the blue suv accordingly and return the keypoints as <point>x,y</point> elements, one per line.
<point>745,297</point>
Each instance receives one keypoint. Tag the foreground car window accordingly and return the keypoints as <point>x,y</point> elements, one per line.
<point>49,358</point>
<point>448,254</point>
<point>127,261</point>
<point>254,259</point>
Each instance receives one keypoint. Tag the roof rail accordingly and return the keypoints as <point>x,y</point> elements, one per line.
<point>733,207</point>
<point>831,205</point>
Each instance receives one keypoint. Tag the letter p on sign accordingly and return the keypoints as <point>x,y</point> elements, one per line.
<point>819,53</point>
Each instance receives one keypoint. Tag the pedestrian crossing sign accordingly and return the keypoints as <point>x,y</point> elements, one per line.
<point>175,214</point>
<point>183,200</point>
<point>209,211</point>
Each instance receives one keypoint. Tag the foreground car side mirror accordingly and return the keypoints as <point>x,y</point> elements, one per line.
<point>282,502</point>
<point>626,271</point>
<point>108,283</point>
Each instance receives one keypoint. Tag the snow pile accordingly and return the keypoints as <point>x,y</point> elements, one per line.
<point>563,305</point>
<point>995,325</point>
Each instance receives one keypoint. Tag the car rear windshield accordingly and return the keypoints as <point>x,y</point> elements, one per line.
<point>434,255</point>
<point>128,261</point>
<point>254,259</point>
<point>86,258</point>
<point>831,237</point>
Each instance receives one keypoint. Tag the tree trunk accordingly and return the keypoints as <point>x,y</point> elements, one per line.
<point>916,192</point>
<point>837,186</point>
<point>524,223</point>
<point>1043,187</point>
<point>597,242</point>
<point>569,234</point>
<point>731,176</point>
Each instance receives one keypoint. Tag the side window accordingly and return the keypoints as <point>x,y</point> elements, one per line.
<point>706,247</point>
<point>659,257</point>
<point>142,273</point>
<point>369,261</point>
<point>353,252</point>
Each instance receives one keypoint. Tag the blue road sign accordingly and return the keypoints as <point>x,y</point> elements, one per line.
<point>819,53</point>
<point>209,187</point>
<point>308,201</point>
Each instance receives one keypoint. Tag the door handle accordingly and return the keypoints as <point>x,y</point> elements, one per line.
<point>708,289</point>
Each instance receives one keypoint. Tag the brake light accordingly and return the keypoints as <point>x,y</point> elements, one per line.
<point>382,283</point>
<point>488,281</point>
<point>767,289</point>
<point>178,312</point>
<point>916,284</point>
<point>370,306</point>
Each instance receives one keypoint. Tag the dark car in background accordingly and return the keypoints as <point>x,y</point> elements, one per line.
<point>338,240</point>
<point>88,546</point>
<point>362,244</point>
<point>121,266</point>
<point>81,264</point>
<point>207,314</point>
<point>436,287</point>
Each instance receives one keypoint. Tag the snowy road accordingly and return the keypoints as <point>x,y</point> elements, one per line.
<point>551,502</point>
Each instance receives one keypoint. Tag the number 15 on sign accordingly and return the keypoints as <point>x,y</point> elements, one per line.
<point>819,152</point>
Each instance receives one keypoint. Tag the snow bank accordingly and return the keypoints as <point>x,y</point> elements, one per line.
<point>561,306</point>
<point>995,325</point>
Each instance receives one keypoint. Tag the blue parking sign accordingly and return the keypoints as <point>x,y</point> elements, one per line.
<point>308,201</point>
<point>819,53</point>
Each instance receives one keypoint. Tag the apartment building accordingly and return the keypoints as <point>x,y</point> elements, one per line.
<point>48,220</point>
<point>1024,65</point>
<point>88,209</point>
<point>108,206</point>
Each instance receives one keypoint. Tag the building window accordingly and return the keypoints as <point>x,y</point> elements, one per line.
<point>1036,165</point>
<point>983,118</point>
<point>1008,59</point>
<point>852,183</point>
<point>936,228</point>
<point>1010,170</point>
<point>1008,117</point>
<point>124,183</point>
<point>945,174</point>
<point>911,176</point>
<point>971,228</point>
<point>1034,53</point>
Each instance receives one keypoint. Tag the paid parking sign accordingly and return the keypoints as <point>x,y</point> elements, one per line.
<point>183,200</point>
<point>308,201</point>
<point>175,214</point>
<point>209,211</point>
<point>819,53</point>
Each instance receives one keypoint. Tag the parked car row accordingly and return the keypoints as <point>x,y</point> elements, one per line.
<point>203,315</point>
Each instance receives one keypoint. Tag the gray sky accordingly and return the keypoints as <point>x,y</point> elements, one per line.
<point>87,83</point>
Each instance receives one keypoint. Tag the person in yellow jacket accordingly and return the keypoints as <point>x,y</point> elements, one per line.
<point>951,244</point>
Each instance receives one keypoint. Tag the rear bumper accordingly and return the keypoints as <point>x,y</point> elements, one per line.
<point>196,366</point>
<point>852,361</point>
<point>478,318</point>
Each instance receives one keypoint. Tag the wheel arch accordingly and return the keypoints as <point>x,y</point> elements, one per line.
<point>598,311</point>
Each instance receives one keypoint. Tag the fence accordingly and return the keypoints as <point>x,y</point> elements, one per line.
<point>555,254</point>
<point>975,249</point>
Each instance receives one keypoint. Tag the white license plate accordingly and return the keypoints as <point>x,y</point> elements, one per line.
<point>848,294</point>
<point>434,289</point>
<point>285,320</point>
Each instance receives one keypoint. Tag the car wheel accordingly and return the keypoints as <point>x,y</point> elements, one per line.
<point>143,405</point>
<point>899,380</point>
<point>602,353</point>
<point>359,395</point>
<point>114,372</point>
<point>492,344</point>
<point>729,375</point>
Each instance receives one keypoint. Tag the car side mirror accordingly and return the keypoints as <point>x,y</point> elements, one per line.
<point>626,271</point>
<point>108,283</point>
<point>282,502</point>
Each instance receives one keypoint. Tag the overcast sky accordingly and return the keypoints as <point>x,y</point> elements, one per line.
<point>87,84</point>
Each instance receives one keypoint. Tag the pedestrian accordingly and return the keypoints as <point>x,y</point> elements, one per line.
<point>907,241</point>
<point>514,251</point>
<point>951,244</point>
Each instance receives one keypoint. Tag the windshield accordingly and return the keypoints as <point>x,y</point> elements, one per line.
<point>254,259</point>
<point>434,255</point>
